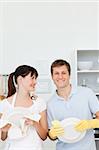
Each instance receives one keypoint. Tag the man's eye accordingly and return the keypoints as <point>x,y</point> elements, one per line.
<point>56,73</point>
<point>64,73</point>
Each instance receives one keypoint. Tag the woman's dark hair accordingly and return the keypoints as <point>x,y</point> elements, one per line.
<point>60,62</point>
<point>23,71</point>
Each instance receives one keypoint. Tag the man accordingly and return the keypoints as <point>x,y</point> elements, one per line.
<point>69,101</point>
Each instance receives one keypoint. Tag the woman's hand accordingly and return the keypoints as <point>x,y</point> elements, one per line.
<point>41,126</point>
<point>4,131</point>
<point>6,128</point>
<point>29,122</point>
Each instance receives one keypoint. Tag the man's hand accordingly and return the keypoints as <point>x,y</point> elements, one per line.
<point>87,124</point>
<point>56,129</point>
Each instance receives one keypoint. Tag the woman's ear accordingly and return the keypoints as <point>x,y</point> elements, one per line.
<point>19,79</point>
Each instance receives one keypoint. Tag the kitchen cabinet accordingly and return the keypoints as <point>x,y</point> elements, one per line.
<point>97,143</point>
<point>88,77</point>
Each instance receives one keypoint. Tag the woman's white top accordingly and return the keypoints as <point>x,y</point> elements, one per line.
<point>31,141</point>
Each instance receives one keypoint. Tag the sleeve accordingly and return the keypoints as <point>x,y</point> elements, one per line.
<point>42,105</point>
<point>93,102</point>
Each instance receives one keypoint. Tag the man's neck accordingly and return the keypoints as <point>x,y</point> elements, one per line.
<point>64,92</point>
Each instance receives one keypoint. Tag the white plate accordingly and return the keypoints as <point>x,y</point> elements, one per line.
<point>3,123</point>
<point>15,117</point>
<point>15,133</point>
<point>34,117</point>
<point>17,114</point>
<point>71,135</point>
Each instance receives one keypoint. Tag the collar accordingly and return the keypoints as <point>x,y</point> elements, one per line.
<point>73,91</point>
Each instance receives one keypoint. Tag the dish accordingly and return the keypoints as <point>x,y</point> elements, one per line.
<point>15,117</point>
<point>85,65</point>
<point>34,117</point>
<point>15,133</point>
<point>71,135</point>
<point>3,123</point>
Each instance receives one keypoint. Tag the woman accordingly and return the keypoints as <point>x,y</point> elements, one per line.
<point>20,84</point>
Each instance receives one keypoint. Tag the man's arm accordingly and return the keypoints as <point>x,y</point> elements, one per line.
<point>88,124</point>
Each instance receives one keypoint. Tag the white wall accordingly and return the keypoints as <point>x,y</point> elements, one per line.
<point>98,25</point>
<point>1,37</point>
<point>32,31</point>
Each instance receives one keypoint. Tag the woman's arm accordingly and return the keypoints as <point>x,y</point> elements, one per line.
<point>4,131</point>
<point>41,126</point>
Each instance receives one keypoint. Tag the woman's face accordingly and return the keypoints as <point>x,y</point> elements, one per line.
<point>28,82</point>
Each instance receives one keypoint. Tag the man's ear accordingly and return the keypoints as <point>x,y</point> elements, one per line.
<point>52,76</point>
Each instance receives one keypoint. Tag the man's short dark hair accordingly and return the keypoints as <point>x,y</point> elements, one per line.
<point>60,62</point>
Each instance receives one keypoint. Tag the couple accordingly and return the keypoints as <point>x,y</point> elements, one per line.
<point>79,102</point>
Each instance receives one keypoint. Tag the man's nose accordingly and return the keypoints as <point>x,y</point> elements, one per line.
<point>60,75</point>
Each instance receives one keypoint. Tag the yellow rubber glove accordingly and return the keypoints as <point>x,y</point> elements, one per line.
<point>56,129</point>
<point>87,124</point>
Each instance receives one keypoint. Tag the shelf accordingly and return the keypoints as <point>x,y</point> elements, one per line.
<point>86,71</point>
<point>89,50</point>
<point>88,77</point>
<point>97,93</point>
<point>96,139</point>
